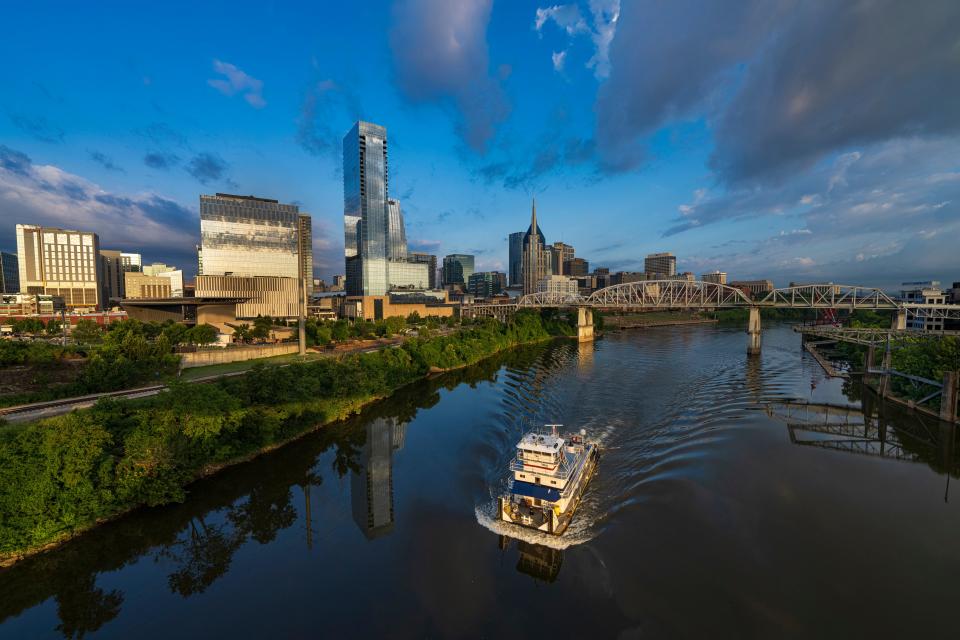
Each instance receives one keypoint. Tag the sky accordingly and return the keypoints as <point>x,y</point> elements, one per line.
<point>793,140</point>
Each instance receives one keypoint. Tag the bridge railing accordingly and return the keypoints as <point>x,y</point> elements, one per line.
<point>669,294</point>
<point>829,296</point>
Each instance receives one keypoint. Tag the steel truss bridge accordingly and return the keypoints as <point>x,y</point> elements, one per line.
<point>686,294</point>
<point>894,338</point>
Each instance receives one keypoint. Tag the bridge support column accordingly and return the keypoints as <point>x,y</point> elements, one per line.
<point>584,324</point>
<point>948,401</point>
<point>899,322</point>
<point>753,331</point>
<point>883,388</point>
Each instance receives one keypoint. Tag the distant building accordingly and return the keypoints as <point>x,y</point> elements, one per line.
<point>9,273</point>
<point>626,277</point>
<point>753,288</point>
<point>407,275</point>
<point>485,284</point>
<point>142,285</point>
<point>575,267</point>
<point>431,262</point>
<point>365,215</point>
<point>559,285</point>
<point>130,262</point>
<point>60,262</point>
<point>955,293</point>
<point>660,265</point>
<point>457,268</point>
<point>536,261</point>
<point>716,277</point>
<point>27,304</point>
<point>339,282</point>
<point>305,251</point>
<point>515,270</point>
<point>561,254</point>
<point>923,292</point>
<point>111,275</point>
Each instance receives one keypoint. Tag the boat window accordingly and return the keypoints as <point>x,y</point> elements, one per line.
<point>537,478</point>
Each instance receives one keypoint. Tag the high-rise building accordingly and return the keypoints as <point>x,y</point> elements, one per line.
<point>717,277</point>
<point>562,253</point>
<point>457,268</point>
<point>536,260</point>
<point>560,285</point>
<point>431,262</point>
<point>111,275</point>
<point>515,267</point>
<point>396,234</point>
<point>250,236</point>
<point>141,285</point>
<point>9,273</point>
<point>60,262</point>
<point>130,262</point>
<point>484,284</point>
<point>576,267</point>
<point>365,181</point>
<point>305,251</point>
<point>660,265</point>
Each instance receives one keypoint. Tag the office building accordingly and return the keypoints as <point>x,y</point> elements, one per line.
<point>365,182</point>
<point>30,304</point>
<point>60,262</point>
<point>955,293</point>
<point>406,275</point>
<point>430,261</point>
<point>111,274</point>
<point>457,268</point>
<point>716,277</point>
<point>660,265</point>
<point>535,265</point>
<point>141,285</point>
<point>158,269</point>
<point>559,285</point>
<point>251,236</point>
<point>626,277</point>
<point>561,254</point>
<point>753,288</point>
<point>305,251</point>
<point>515,262</point>
<point>9,273</point>
<point>485,284</point>
<point>339,282</point>
<point>396,233</point>
<point>130,262</point>
<point>272,296</point>
<point>923,292</point>
<point>575,267</point>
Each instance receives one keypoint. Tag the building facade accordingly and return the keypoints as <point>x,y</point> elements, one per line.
<point>925,292</point>
<point>9,273</point>
<point>305,251</point>
<point>576,267</point>
<point>484,284</point>
<point>406,275</point>
<point>535,265</point>
<point>272,296</point>
<point>457,268</point>
<point>142,285</point>
<point>111,269</point>
<point>660,265</point>
<point>60,262</point>
<point>396,233</point>
<point>365,182</point>
<point>430,261</point>
<point>515,259</point>
<point>249,236</point>
<point>716,277</point>
<point>753,288</point>
<point>561,254</point>
<point>559,285</point>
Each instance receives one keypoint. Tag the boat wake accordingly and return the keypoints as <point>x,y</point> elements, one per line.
<point>579,531</point>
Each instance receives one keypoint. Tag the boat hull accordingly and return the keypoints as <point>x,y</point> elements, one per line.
<point>548,519</point>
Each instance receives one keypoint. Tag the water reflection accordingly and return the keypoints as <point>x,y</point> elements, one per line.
<point>371,485</point>
<point>535,560</point>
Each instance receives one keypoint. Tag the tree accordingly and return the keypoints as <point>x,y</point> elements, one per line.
<point>54,327</point>
<point>86,332</point>
<point>262,327</point>
<point>340,331</point>
<point>176,333</point>
<point>203,334</point>
<point>29,326</point>
<point>241,332</point>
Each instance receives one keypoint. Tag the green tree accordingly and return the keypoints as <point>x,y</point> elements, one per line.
<point>203,334</point>
<point>340,331</point>
<point>86,332</point>
<point>241,332</point>
<point>54,327</point>
<point>262,327</point>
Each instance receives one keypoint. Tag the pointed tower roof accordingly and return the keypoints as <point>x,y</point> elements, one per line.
<point>533,225</point>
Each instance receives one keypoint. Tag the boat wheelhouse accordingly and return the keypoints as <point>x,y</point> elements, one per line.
<point>550,472</point>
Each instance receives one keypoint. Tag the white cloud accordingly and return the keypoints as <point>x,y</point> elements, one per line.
<point>604,15</point>
<point>566,16</point>
<point>558,59</point>
<point>236,82</point>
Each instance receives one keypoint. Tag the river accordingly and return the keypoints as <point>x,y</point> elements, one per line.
<point>722,508</point>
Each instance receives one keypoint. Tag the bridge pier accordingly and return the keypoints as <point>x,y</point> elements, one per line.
<point>899,322</point>
<point>584,324</point>
<point>753,331</point>
<point>948,400</point>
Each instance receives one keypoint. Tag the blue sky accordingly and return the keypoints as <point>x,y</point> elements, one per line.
<point>791,140</point>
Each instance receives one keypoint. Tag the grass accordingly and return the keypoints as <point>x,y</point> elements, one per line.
<point>193,373</point>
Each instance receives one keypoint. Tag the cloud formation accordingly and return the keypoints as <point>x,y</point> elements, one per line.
<point>237,81</point>
<point>33,193</point>
<point>324,114</point>
<point>601,29</point>
<point>160,160</point>
<point>440,56</point>
<point>104,161</point>
<point>38,128</point>
<point>207,167</point>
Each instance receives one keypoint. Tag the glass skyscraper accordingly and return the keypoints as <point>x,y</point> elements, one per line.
<point>457,268</point>
<point>516,258</point>
<point>249,236</point>
<point>396,234</point>
<point>365,210</point>
<point>9,273</point>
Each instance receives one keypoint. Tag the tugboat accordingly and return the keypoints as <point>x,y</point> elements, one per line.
<point>550,474</point>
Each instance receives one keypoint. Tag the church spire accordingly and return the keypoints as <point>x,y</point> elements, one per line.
<point>533,217</point>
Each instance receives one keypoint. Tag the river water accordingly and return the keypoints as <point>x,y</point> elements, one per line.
<point>723,507</point>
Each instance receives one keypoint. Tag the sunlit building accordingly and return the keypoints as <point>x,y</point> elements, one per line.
<point>536,259</point>
<point>716,277</point>
<point>60,262</point>
<point>365,182</point>
<point>660,265</point>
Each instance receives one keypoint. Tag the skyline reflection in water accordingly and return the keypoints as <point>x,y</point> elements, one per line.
<point>735,495</point>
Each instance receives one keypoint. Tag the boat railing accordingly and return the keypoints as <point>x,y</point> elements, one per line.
<point>562,471</point>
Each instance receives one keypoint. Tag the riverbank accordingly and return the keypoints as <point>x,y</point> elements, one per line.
<point>63,476</point>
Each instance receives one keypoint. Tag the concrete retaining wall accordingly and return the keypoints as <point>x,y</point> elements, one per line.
<point>238,354</point>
